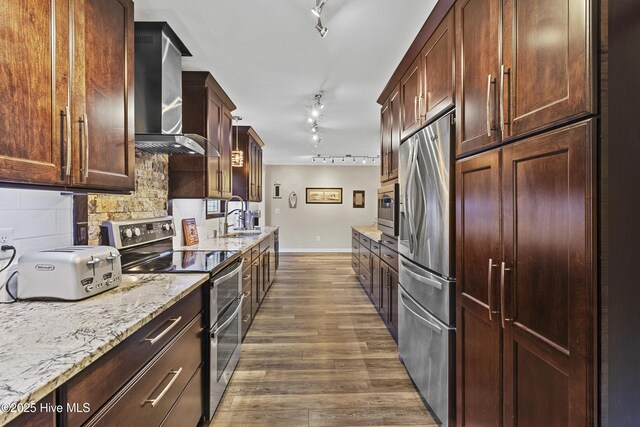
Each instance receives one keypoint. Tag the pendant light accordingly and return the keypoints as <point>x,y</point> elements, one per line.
<point>237,156</point>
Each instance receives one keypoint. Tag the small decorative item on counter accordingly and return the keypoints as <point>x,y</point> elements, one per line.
<point>293,200</point>
<point>190,231</point>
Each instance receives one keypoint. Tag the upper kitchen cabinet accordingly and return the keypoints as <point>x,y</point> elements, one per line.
<point>207,112</point>
<point>547,75</point>
<point>34,74</point>
<point>410,98</point>
<point>69,97</point>
<point>478,65</point>
<point>438,71</point>
<point>103,95</point>
<point>247,180</point>
<point>390,136</point>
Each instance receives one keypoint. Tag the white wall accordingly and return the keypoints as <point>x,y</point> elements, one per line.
<point>300,227</point>
<point>40,220</point>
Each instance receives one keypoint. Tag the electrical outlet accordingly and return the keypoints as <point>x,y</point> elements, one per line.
<point>6,238</point>
<point>317,238</point>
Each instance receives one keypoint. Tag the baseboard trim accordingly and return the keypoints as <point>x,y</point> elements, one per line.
<point>323,250</point>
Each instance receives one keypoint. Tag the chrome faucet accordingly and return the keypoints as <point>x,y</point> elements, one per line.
<point>243,213</point>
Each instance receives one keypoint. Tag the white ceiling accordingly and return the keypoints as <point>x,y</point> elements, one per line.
<point>270,60</point>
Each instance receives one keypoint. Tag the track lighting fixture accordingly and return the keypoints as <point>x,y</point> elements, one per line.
<point>333,157</point>
<point>317,11</point>
<point>321,29</point>
<point>315,137</point>
<point>314,128</point>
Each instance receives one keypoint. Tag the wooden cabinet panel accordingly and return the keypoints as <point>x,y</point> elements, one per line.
<point>438,70</point>
<point>478,255</point>
<point>214,116</point>
<point>188,411</point>
<point>547,278</point>
<point>477,68</point>
<point>375,281</point>
<point>410,86</point>
<point>103,94</point>
<point>162,382</point>
<point>546,52</point>
<point>246,314</point>
<point>385,141</point>
<point>247,180</point>
<point>34,75</point>
<point>256,285</point>
<point>392,307</point>
<point>395,134</point>
<point>226,172</point>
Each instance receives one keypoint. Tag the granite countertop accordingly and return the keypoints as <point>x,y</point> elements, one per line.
<point>44,344</point>
<point>370,231</point>
<point>241,243</point>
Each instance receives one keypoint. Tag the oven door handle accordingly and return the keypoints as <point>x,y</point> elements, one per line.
<point>230,319</point>
<point>226,276</point>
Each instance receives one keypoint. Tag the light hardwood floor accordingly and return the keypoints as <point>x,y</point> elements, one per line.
<point>318,354</point>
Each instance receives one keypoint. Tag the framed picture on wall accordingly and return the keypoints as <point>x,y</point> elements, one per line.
<point>324,196</point>
<point>358,198</point>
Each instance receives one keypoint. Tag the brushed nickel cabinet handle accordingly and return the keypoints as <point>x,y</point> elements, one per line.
<point>164,391</point>
<point>155,339</point>
<point>246,318</point>
<point>415,108</point>
<point>489,80</point>
<point>422,105</point>
<point>503,317</point>
<point>387,256</point>
<point>86,144</point>
<point>489,289</point>
<point>501,100</point>
<point>67,114</point>
<point>388,242</point>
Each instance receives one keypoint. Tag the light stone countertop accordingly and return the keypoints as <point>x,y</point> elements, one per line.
<point>44,344</point>
<point>370,231</point>
<point>240,243</point>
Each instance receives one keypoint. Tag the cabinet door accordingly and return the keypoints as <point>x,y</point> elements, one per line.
<point>259,197</point>
<point>394,142</point>
<point>385,141</point>
<point>478,254</point>
<point>438,68</point>
<point>392,307</point>
<point>547,279</point>
<point>256,275</point>
<point>477,67</point>
<point>214,117</point>
<point>547,56</point>
<point>225,152</point>
<point>384,291</point>
<point>104,103</point>
<point>375,281</point>
<point>34,76</point>
<point>409,97</point>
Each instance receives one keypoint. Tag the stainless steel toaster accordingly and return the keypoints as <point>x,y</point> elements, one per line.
<point>70,273</point>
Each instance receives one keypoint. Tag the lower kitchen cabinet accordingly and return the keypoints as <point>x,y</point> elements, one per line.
<point>39,418</point>
<point>526,294</point>
<point>187,411</point>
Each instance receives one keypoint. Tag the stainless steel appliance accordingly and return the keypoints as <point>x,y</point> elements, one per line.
<point>426,313</point>
<point>388,221</point>
<point>158,86</point>
<point>71,273</point>
<point>146,247</point>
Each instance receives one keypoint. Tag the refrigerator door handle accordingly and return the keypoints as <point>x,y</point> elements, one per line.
<point>419,277</point>
<point>435,328</point>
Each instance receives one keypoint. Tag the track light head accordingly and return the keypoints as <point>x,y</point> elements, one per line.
<point>315,137</point>
<point>314,128</point>
<point>321,29</point>
<point>317,11</point>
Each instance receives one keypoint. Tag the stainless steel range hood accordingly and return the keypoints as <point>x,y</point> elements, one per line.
<point>158,89</point>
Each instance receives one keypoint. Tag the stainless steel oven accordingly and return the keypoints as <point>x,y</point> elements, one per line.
<point>388,209</point>
<point>225,332</point>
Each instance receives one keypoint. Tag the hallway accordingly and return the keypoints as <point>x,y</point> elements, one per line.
<point>318,354</point>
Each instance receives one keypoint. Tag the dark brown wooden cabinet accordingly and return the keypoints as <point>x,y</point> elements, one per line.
<point>376,280</point>
<point>478,65</point>
<point>103,88</point>
<point>390,137</point>
<point>547,75</point>
<point>410,95</point>
<point>438,71</point>
<point>67,115</point>
<point>389,297</point>
<point>207,112</point>
<point>247,180</point>
<point>385,140</point>
<point>526,294</point>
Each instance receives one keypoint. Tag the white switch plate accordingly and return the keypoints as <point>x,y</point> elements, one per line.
<point>317,238</point>
<point>6,238</point>
<point>277,210</point>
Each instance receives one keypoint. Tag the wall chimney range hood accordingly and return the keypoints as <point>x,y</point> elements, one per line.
<point>158,91</point>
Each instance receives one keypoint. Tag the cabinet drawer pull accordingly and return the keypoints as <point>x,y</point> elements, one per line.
<point>174,322</point>
<point>387,256</point>
<point>248,276</point>
<point>388,242</point>
<point>489,81</point>
<point>86,145</point>
<point>246,318</point>
<point>68,117</point>
<point>164,391</point>
<point>246,294</point>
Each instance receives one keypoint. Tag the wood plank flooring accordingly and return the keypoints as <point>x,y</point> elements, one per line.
<point>318,354</point>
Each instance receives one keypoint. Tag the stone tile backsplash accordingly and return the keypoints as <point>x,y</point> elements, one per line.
<point>148,200</point>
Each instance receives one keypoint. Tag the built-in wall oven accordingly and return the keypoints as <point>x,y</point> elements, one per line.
<point>388,209</point>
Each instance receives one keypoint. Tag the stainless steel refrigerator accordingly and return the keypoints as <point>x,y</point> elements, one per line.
<point>426,306</point>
